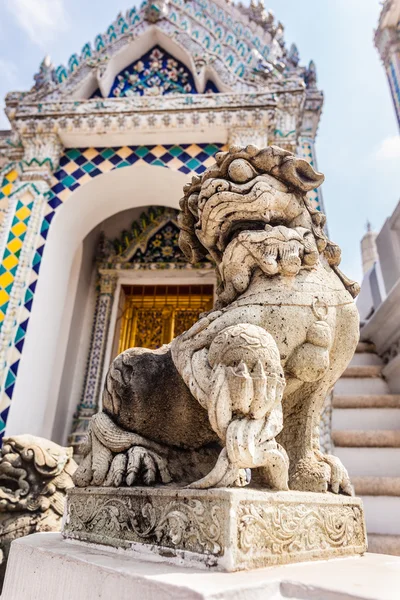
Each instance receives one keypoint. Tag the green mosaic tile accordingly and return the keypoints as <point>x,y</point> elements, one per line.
<point>73,153</point>
<point>107,153</point>
<point>88,167</point>
<point>10,379</point>
<point>68,181</point>
<point>176,151</point>
<point>210,149</point>
<point>193,163</point>
<point>142,151</point>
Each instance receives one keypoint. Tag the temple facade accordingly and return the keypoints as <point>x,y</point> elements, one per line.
<point>92,171</point>
<point>387,41</point>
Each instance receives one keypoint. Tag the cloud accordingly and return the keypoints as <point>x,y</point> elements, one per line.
<point>42,20</point>
<point>389,149</point>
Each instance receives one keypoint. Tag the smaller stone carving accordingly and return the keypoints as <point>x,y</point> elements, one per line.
<point>293,58</point>
<point>310,76</point>
<point>35,475</point>
<point>46,76</point>
<point>156,10</point>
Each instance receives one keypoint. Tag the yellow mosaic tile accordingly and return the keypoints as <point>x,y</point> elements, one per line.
<point>12,176</point>
<point>10,262</point>
<point>90,153</point>
<point>3,298</point>
<point>158,151</point>
<point>22,213</point>
<point>19,228</point>
<point>193,150</point>
<point>14,245</point>
<point>125,151</point>
<point>6,189</point>
<point>5,280</point>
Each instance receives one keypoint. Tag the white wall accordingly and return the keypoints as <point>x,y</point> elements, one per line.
<point>35,400</point>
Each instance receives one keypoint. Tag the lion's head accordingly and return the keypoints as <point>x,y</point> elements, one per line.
<point>255,198</point>
<point>34,475</point>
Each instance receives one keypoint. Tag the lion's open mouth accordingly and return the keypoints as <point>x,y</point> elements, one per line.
<point>236,227</point>
<point>9,484</point>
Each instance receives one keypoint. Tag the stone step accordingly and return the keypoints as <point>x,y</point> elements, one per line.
<point>345,419</point>
<point>384,544</point>
<point>365,347</point>
<point>370,462</point>
<point>367,401</point>
<point>375,386</point>
<point>366,359</point>
<point>376,438</point>
<point>376,486</point>
<point>382,514</point>
<point>357,371</point>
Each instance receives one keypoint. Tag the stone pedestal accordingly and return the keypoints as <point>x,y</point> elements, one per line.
<point>227,529</point>
<point>46,567</point>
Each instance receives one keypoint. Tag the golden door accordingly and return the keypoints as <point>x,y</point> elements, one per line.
<point>154,314</point>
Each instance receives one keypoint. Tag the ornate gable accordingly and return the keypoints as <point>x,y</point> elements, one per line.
<point>156,73</point>
<point>150,243</point>
<point>239,48</point>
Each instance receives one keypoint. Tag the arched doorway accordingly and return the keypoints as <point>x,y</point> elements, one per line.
<point>40,373</point>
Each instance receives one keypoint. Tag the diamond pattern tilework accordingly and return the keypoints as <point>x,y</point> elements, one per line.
<point>7,181</point>
<point>12,250</point>
<point>77,166</point>
<point>305,150</point>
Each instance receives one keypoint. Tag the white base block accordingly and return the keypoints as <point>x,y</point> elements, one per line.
<point>43,566</point>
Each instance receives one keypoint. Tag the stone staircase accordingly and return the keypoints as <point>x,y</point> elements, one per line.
<point>366,435</point>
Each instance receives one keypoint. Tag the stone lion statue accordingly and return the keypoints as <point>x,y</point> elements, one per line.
<point>240,394</point>
<point>35,475</point>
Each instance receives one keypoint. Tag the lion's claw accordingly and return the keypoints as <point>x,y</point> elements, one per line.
<point>339,478</point>
<point>321,473</point>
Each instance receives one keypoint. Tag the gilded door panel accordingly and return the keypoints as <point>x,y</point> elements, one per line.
<point>154,315</point>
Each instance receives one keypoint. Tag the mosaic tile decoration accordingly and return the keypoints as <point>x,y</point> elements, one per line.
<point>15,238</point>
<point>77,167</point>
<point>306,150</point>
<point>156,73</point>
<point>7,184</point>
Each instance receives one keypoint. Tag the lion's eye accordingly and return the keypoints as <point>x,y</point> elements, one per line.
<point>240,171</point>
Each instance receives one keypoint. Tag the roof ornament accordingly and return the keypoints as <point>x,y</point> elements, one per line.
<point>156,10</point>
<point>46,76</point>
<point>293,56</point>
<point>310,76</point>
<point>257,13</point>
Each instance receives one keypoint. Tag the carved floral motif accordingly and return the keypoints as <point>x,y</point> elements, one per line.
<point>278,529</point>
<point>184,524</point>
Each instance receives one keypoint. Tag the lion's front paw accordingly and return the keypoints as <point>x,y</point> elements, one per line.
<point>321,473</point>
<point>137,465</point>
<point>339,481</point>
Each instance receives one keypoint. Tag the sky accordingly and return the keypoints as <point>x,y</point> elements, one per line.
<point>358,144</point>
